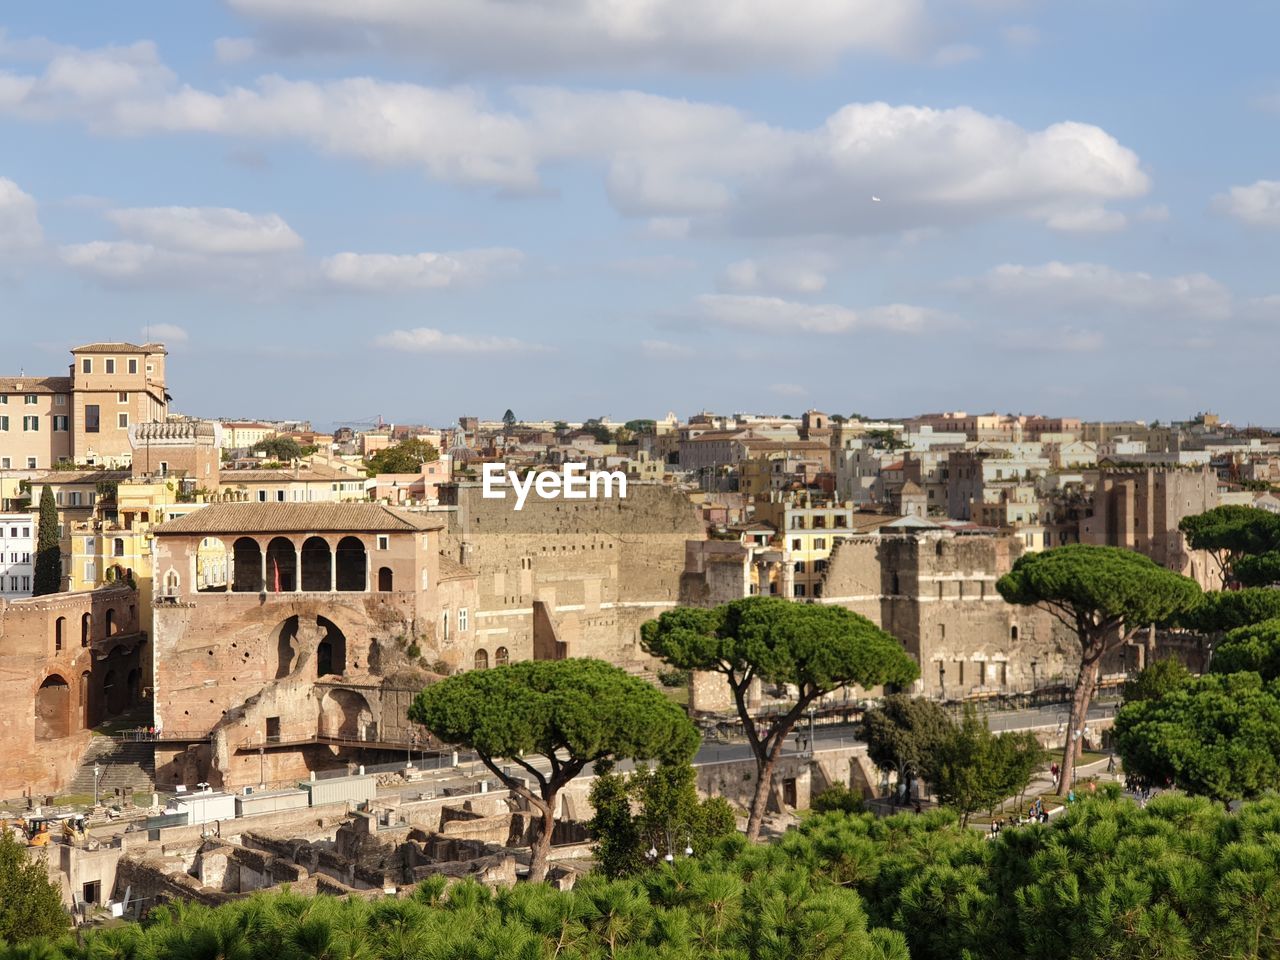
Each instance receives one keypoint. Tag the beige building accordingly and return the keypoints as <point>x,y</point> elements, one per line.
<point>85,417</point>
<point>244,434</point>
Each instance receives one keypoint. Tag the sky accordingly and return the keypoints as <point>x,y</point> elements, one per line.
<point>421,209</point>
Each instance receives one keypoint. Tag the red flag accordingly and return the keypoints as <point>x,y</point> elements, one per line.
<point>275,564</point>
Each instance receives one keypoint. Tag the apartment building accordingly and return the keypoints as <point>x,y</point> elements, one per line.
<point>17,555</point>
<point>35,422</point>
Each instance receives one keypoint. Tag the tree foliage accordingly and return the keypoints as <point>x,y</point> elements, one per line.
<point>902,733</point>
<point>653,809</point>
<point>280,448</point>
<point>48,558</point>
<point>1255,648</point>
<point>812,649</point>
<point>1223,610</point>
<point>1177,880</point>
<point>1218,737</point>
<point>972,769</point>
<point>30,905</point>
<point>1231,534</point>
<point>1104,594</point>
<point>407,456</point>
<point>569,712</point>
<point>1156,680</point>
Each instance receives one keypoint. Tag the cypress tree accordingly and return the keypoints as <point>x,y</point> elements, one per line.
<point>48,574</point>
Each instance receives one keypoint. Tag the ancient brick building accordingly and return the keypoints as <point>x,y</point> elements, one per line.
<point>570,578</point>
<point>67,662</point>
<point>285,630</point>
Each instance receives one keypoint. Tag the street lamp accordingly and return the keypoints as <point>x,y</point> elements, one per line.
<point>97,772</point>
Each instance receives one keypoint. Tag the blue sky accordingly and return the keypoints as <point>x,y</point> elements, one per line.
<point>574,208</point>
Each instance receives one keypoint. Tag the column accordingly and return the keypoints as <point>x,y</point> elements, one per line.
<point>333,568</point>
<point>368,564</point>
<point>263,553</point>
<point>297,568</point>
<point>788,587</point>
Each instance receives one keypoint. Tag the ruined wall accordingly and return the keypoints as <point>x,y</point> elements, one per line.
<point>936,594</point>
<point>600,568</point>
<point>67,662</point>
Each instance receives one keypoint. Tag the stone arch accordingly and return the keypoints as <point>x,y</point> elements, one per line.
<point>59,633</point>
<point>386,579</point>
<point>282,565</point>
<point>346,713</point>
<point>86,629</point>
<point>286,633</point>
<point>211,566</point>
<point>317,565</point>
<point>133,687</point>
<point>331,652</point>
<point>114,693</point>
<point>501,657</point>
<point>351,563</point>
<point>481,660</point>
<point>53,708</point>
<point>246,564</point>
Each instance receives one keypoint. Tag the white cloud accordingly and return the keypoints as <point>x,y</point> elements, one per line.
<point>787,276</point>
<point>1087,220</point>
<point>19,222</point>
<point>554,35</point>
<point>233,49</point>
<point>431,340</point>
<point>681,165</point>
<point>1092,286</point>
<point>1065,339</point>
<point>668,228</point>
<point>417,271</point>
<point>664,350</point>
<point>1154,213</point>
<point>168,333</point>
<point>206,230</point>
<point>778,316</point>
<point>1257,204</point>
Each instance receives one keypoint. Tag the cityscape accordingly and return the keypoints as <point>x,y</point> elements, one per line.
<point>704,588</point>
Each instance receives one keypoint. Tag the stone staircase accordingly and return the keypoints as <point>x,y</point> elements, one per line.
<point>125,764</point>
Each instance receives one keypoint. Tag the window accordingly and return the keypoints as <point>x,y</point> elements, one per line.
<point>118,547</point>
<point>800,566</point>
<point>384,541</point>
<point>4,423</point>
<point>5,462</point>
<point>13,584</point>
<point>60,400</point>
<point>60,424</point>
<point>4,399</point>
<point>26,531</point>
<point>279,493</point>
<point>31,463</point>
<point>86,365</point>
<point>122,396</point>
<point>819,543</point>
<point>799,589</point>
<point>122,420</point>
<point>111,364</point>
<point>30,424</point>
<point>462,619</point>
<point>150,368</point>
<point>26,584</point>
<point>92,417</point>
<point>444,621</point>
<point>30,400</point>
<point>90,571</point>
<point>796,544</point>
<point>262,496</point>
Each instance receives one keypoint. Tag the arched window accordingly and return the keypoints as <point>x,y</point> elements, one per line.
<point>282,566</point>
<point>482,660</point>
<point>53,708</point>
<point>86,629</point>
<point>352,564</point>
<point>500,657</point>
<point>317,566</point>
<point>385,579</point>
<point>1013,632</point>
<point>247,566</point>
<point>111,621</point>
<point>59,628</point>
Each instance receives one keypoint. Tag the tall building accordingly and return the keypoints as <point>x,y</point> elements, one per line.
<point>84,417</point>
<point>17,549</point>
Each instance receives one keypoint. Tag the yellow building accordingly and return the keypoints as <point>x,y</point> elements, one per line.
<point>244,435</point>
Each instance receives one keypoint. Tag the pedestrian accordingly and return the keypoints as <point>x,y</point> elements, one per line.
<point>1054,771</point>
<point>919,809</point>
<point>1111,764</point>
<point>1093,787</point>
